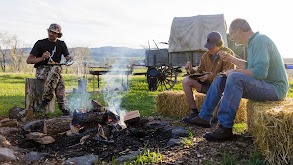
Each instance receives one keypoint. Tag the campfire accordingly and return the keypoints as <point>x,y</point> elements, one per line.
<point>101,117</point>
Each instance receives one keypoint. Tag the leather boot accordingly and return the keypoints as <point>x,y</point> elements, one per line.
<point>66,111</point>
<point>199,122</point>
<point>43,105</point>
<point>221,133</point>
<point>194,113</point>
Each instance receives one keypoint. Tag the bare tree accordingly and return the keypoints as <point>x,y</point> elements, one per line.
<point>4,45</point>
<point>81,56</point>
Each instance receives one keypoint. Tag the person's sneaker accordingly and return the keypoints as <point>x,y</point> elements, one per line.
<point>193,114</point>
<point>199,122</point>
<point>43,106</point>
<point>220,134</point>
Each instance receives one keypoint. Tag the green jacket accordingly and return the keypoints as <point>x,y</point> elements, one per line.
<point>267,64</point>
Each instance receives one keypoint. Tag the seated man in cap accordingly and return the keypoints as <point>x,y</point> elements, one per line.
<point>210,62</point>
<point>50,50</point>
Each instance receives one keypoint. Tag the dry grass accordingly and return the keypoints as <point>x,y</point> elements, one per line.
<point>271,125</point>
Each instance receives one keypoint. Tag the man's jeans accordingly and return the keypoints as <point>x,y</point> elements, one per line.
<point>237,86</point>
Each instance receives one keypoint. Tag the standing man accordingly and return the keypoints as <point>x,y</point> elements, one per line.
<point>261,78</point>
<point>209,62</point>
<point>44,52</point>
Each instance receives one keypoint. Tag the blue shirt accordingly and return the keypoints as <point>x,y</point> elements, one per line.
<point>267,64</point>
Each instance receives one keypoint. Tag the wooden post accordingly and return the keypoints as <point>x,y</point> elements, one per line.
<point>34,89</point>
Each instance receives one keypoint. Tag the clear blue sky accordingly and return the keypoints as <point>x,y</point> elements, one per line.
<point>131,23</point>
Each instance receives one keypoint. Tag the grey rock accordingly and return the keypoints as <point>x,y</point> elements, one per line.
<point>17,113</point>
<point>7,130</point>
<point>157,124</point>
<point>36,156</point>
<point>174,142</point>
<point>128,157</point>
<point>83,160</point>
<point>6,154</point>
<point>179,132</point>
<point>34,126</point>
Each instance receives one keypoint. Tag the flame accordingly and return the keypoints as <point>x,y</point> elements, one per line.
<point>82,110</point>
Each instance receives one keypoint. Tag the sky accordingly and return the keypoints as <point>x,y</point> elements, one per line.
<point>132,23</point>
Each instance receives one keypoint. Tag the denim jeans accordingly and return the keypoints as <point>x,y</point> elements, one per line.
<point>237,86</point>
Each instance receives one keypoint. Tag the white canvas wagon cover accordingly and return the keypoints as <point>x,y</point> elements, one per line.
<point>189,33</point>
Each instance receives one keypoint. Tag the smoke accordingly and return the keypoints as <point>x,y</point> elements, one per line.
<point>115,87</point>
<point>80,101</point>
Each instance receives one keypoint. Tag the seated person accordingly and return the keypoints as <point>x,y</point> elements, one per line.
<point>210,62</point>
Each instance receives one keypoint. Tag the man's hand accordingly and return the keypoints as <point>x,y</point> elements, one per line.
<point>68,57</point>
<point>46,55</point>
<point>224,55</point>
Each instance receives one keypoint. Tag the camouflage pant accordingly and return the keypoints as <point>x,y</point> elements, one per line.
<point>54,83</point>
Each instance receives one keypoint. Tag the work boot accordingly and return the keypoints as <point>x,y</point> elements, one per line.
<point>221,133</point>
<point>66,111</point>
<point>194,113</point>
<point>199,122</point>
<point>43,105</point>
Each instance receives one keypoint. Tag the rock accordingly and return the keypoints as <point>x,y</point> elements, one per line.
<point>6,154</point>
<point>83,160</point>
<point>157,124</point>
<point>7,130</point>
<point>32,156</point>
<point>125,158</point>
<point>174,142</point>
<point>17,113</point>
<point>179,132</point>
<point>34,126</point>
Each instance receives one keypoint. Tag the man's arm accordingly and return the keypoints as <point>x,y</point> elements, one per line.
<point>227,57</point>
<point>31,59</point>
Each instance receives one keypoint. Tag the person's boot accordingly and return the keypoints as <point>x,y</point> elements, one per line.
<point>199,122</point>
<point>194,113</point>
<point>43,105</point>
<point>66,111</point>
<point>220,134</point>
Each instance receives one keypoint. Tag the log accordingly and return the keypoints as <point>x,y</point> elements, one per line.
<point>56,125</point>
<point>34,89</point>
<point>132,116</point>
<point>8,123</point>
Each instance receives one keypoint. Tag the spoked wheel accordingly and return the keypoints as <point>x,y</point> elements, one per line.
<point>164,76</point>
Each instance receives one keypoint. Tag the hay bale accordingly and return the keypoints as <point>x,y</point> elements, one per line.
<point>172,103</point>
<point>271,125</point>
<point>241,115</point>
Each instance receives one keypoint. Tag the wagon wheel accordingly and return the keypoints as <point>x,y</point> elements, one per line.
<point>163,75</point>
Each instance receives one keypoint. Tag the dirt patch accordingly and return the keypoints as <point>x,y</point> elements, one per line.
<point>134,138</point>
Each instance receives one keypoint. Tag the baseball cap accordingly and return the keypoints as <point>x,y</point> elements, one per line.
<point>212,39</point>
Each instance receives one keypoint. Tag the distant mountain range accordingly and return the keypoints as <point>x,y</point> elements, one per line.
<point>116,52</point>
<point>110,51</point>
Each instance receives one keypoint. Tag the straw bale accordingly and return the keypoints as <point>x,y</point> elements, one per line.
<point>172,103</point>
<point>271,125</point>
<point>241,115</point>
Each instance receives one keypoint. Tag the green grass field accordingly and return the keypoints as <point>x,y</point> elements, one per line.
<point>12,91</point>
<point>137,97</point>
